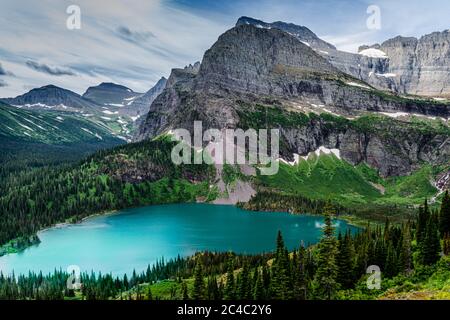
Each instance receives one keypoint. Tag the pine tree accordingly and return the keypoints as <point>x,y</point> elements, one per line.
<point>281,284</point>
<point>198,291</point>
<point>230,291</point>
<point>344,262</point>
<point>391,265</point>
<point>324,283</point>
<point>405,259</point>
<point>265,276</point>
<point>245,284</point>
<point>431,247</point>
<point>149,295</point>
<point>212,289</point>
<point>258,293</point>
<point>444,215</point>
<point>422,223</point>
<point>300,276</point>
<point>446,244</point>
<point>184,290</point>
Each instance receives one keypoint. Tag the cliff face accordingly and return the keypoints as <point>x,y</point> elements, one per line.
<point>403,65</point>
<point>370,69</point>
<point>250,66</point>
<point>140,106</point>
<point>421,66</point>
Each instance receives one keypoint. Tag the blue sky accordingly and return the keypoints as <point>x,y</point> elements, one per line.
<point>135,42</point>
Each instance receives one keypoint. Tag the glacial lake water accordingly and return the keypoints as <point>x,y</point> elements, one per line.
<point>134,238</point>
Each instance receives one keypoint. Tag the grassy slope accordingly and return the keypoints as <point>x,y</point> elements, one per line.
<point>49,127</point>
<point>327,176</point>
<point>38,138</point>
<point>425,283</point>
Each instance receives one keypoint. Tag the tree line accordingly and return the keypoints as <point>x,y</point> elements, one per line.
<point>334,268</point>
<point>33,199</point>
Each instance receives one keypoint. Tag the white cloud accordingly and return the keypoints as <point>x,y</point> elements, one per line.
<point>163,37</point>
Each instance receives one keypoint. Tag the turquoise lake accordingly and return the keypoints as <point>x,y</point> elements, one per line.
<point>134,238</point>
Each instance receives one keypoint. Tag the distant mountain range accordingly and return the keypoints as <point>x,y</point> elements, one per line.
<point>107,105</point>
<point>52,98</point>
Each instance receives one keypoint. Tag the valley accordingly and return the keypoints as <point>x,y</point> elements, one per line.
<point>363,177</point>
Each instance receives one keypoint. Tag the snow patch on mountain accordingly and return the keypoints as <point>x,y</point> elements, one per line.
<point>322,150</point>
<point>373,53</point>
<point>88,131</point>
<point>327,151</point>
<point>110,112</point>
<point>386,75</point>
<point>24,126</point>
<point>356,84</point>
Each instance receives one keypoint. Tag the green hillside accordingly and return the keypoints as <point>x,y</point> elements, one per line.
<point>37,138</point>
<point>49,127</point>
<point>326,176</point>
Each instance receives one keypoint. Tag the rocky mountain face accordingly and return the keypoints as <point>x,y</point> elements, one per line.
<point>402,65</point>
<point>367,67</point>
<point>302,33</point>
<point>140,105</point>
<point>51,97</point>
<point>111,94</point>
<point>252,67</point>
<point>419,66</point>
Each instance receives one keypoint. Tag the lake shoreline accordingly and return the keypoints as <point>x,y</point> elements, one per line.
<point>136,238</point>
<point>359,223</point>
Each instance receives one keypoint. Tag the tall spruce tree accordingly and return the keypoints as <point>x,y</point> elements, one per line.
<point>422,221</point>
<point>245,292</point>
<point>149,295</point>
<point>324,284</point>
<point>444,215</point>
<point>258,293</point>
<point>230,289</point>
<point>184,290</point>
<point>345,262</point>
<point>212,292</point>
<point>405,258</point>
<point>431,246</point>
<point>391,265</point>
<point>281,284</point>
<point>300,276</point>
<point>198,291</point>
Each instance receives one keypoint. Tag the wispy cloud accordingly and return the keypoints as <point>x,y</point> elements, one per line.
<point>3,83</point>
<point>4,72</point>
<point>136,37</point>
<point>132,43</point>
<point>51,70</point>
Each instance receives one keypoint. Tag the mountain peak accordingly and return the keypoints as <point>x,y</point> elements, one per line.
<point>111,85</point>
<point>246,57</point>
<point>109,93</point>
<point>300,32</point>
